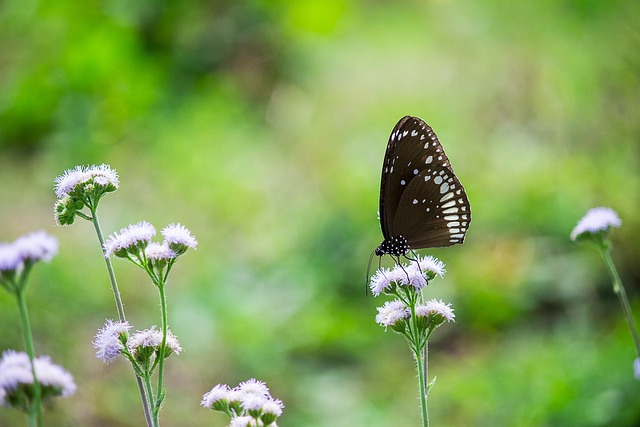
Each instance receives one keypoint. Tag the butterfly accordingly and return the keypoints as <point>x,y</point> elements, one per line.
<point>422,202</point>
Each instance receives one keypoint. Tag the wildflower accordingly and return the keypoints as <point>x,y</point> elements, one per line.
<point>253,387</point>
<point>100,179</point>
<point>636,368</point>
<point>432,266</point>
<point>392,313</point>
<point>159,252</point>
<point>271,410</point>
<point>69,180</point>
<point>129,239</point>
<point>381,282</point>
<point>437,310</point>
<point>179,238</point>
<point>36,246</point>
<point>104,176</point>
<point>243,421</point>
<point>10,259</point>
<point>16,379</point>
<point>216,398</point>
<point>596,222</point>
<point>143,344</point>
<point>109,340</point>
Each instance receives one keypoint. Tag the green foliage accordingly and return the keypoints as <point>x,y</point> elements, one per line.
<point>261,126</point>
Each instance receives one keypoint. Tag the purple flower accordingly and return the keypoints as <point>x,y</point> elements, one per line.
<point>108,340</point>
<point>128,239</point>
<point>159,252</point>
<point>16,375</point>
<point>216,398</point>
<point>436,308</point>
<point>101,176</point>
<point>391,313</point>
<point>596,221</point>
<point>179,238</point>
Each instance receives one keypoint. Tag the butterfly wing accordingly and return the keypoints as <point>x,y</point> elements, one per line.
<point>420,196</point>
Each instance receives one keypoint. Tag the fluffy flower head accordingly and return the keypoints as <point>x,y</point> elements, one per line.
<point>596,221</point>
<point>179,238</point>
<point>101,176</point>
<point>215,397</point>
<point>10,259</point>
<point>36,246</point>
<point>392,312</point>
<point>439,309</point>
<point>243,421</point>
<point>135,236</point>
<point>16,374</point>
<point>414,274</point>
<point>147,342</point>
<point>159,252</point>
<point>108,340</point>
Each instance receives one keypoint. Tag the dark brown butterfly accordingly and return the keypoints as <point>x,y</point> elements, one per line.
<point>422,202</point>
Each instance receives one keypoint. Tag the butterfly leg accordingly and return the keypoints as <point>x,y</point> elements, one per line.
<point>414,258</point>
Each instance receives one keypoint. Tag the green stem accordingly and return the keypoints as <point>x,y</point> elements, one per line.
<point>28,341</point>
<point>120,309</point>
<point>422,385</point>
<point>618,289</point>
<point>161,353</point>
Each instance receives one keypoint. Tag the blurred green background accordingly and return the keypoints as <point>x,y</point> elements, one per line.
<point>261,125</point>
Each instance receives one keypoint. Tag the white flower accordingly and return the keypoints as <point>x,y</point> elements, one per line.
<point>432,265</point>
<point>128,237</point>
<point>152,339</point>
<point>10,259</point>
<point>107,340</point>
<point>103,175</point>
<point>391,312</point>
<point>68,181</point>
<point>596,220</point>
<point>437,308</point>
<point>217,394</point>
<point>179,238</point>
<point>253,387</point>
<point>36,246</point>
<point>159,251</point>
<point>243,421</point>
<point>52,375</point>
<point>380,281</point>
<point>273,407</point>
<point>16,372</point>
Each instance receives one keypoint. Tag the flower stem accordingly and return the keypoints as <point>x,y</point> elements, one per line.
<point>36,412</point>
<point>120,309</point>
<point>161,353</point>
<point>618,289</point>
<point>422,369</point>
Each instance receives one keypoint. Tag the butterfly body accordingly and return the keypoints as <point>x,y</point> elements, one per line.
<point>422,202</point>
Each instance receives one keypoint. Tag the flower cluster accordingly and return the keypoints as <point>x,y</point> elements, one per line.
<point>24,251</point>
<point>16,379</point>
<point>415,275</point>
<point>143,346</point>
<point>408,314</point>
<point>134,242</point>
<point>82,186</point>
<point>248,405</point>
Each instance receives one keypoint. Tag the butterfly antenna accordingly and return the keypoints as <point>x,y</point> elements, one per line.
<point>366,280</point>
